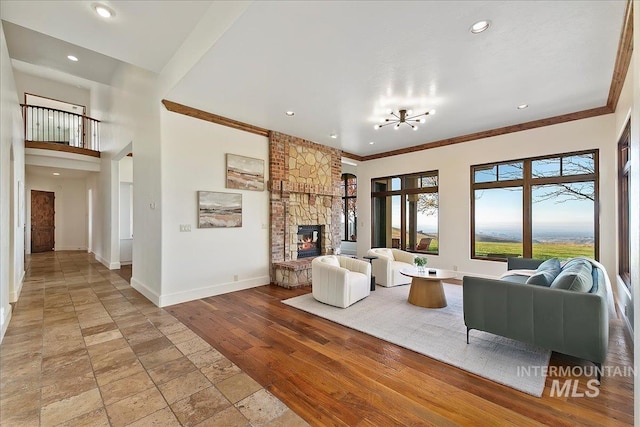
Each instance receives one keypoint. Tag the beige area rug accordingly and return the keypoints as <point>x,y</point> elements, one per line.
<point>438,333</point>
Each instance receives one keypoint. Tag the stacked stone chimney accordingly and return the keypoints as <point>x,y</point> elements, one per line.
<point>304,190</point>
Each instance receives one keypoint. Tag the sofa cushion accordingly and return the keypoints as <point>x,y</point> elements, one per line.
<point>515,278</point>
<point>545,273</point>
<point>575,276</point>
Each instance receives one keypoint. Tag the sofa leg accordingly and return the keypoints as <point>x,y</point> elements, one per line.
<point>598,371</point>
<point>468,329</point>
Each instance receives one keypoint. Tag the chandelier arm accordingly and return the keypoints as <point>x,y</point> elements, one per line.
<point>418,115</point>
<point>390,123</point>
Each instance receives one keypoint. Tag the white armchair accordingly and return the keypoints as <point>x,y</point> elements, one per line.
<point>387,267</point>
<point>339,280</point>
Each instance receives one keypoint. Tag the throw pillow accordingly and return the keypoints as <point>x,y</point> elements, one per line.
<point>385,252</point>
<point>543,278</point>
<point>550,264</point>
<point>545,273</point>
<point>575,276</point>
<point>331,260</point>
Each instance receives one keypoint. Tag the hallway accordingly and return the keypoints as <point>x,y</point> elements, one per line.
<point>84,348</point>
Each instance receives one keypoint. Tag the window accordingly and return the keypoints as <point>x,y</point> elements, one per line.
<point>349,189</point>
<point>535,208</point>
<point>624,162</point>
<point>405,212</point>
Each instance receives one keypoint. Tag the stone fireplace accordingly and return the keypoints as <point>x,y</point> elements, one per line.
<point>304,190</point>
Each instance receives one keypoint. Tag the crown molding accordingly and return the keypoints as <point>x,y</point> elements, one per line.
<point>213,118</point>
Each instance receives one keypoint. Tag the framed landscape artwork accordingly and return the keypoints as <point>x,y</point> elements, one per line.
<point>245,173</point>
<point>219,210</point>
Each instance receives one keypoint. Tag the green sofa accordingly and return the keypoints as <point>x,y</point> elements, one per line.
<point>573,320</point>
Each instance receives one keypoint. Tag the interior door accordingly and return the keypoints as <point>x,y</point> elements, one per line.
<point>42,221</point>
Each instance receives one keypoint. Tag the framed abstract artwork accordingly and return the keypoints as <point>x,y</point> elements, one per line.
<point>219,210</point>
<point>245,173</point>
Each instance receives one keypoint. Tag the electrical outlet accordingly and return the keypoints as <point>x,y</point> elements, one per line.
<point>455,268</point>
<point>185,227</point>
<point>235,277</point>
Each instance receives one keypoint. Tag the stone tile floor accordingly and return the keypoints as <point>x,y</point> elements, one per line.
<point>83,348</point>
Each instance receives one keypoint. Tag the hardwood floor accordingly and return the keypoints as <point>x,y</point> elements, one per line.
<point>332,375</point>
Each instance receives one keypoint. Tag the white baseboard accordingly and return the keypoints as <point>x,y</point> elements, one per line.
<point>4,321</point>
<point>15,294</point>
<point>70,248</point>
<point>209,291</point>
<point>145,291</point>
<point>125,263</point>
<point>109,265</point>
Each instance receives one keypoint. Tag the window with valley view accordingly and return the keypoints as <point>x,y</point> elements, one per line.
<point>542,207</point>
<point>405,212</point>
<point>624,203</point>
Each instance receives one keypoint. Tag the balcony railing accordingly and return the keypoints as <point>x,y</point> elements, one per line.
<point>42,124</point>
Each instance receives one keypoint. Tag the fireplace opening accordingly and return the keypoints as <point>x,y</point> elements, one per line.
<point>309,241</point>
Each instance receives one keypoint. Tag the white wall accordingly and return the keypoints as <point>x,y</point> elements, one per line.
<point>126,169</point>
<point>126,210</point>
<point>204,262</point>
<point>635,203</point>
<point>17,213</point>
<point>51,89</point>
<point>11,171</point>
<point>453,163</point>
<point>94,208</point>
<point>126,233</point>
<point>129,110</point>
<point>70,206</point>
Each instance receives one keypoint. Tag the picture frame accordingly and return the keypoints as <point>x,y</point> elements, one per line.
<point>244,173</point>
<point>219,210</point>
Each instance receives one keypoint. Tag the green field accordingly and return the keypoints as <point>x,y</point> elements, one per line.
<point>514,249</point>
<point>540,250</point>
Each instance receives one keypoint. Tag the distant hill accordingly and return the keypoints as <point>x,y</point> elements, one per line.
<point>494,239</point>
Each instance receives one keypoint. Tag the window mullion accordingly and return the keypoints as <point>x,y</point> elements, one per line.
<point>527,211</point>
<point>403,220</point>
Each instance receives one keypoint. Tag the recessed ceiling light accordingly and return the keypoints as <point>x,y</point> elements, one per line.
<point>103,11</point>
<point>480,26</point>
<point>72,58</point>
<point>333,135</point>
<point>371,143</point>
<point>56,173</point>
<point>523,106</point>
<point>290,113</point>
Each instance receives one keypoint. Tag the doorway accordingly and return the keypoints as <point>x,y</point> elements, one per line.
<point>42,221</point>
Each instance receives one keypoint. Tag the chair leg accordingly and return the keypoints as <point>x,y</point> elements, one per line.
<point>598,371</point>
<point>468,329</point>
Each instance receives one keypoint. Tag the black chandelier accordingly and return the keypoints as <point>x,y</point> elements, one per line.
<point>404,116</point>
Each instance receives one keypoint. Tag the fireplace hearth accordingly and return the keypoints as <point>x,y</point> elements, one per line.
<point>309,241</point>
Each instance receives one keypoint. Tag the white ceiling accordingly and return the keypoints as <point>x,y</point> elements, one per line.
<point>47,171</point>
<point>340,65</point>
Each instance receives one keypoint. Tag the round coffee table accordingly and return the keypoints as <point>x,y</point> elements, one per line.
<point>426,288</point>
